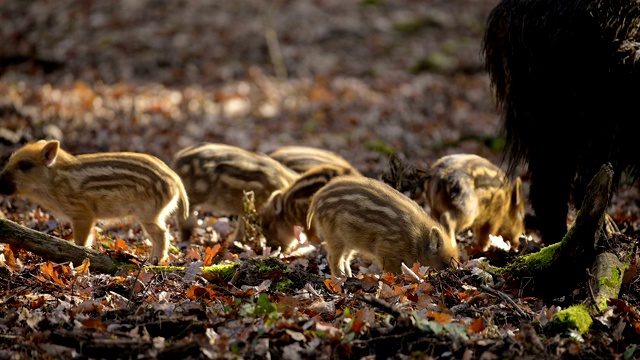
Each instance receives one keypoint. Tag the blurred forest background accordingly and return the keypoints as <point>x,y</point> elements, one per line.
<point>362,78</point>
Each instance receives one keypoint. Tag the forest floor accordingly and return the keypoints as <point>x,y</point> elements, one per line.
<point>365,79</point>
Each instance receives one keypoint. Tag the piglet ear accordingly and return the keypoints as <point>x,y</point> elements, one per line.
<point>50,152</point>
<point>516,196</point>
<point>437,239</point>
<point>278,202</point>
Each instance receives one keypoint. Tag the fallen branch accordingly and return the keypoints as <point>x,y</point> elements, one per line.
<point>606,281</point>
<point>506,298</point>
<point>58,250</point>
<point>53,248</point>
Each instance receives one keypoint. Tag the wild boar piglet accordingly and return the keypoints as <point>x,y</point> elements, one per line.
<point>304,158</point>
<point>288,207</point>
<point>217,175</point>
<point>466,191</point>
<point>358,214</point>
<point>90,187</point>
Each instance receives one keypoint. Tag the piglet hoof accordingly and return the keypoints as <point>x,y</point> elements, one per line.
<point>159,262</point>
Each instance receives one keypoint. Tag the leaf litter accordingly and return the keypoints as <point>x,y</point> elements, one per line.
<point>371,80</point>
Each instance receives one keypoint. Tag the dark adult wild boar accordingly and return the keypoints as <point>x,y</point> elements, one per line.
<point>566,75</point>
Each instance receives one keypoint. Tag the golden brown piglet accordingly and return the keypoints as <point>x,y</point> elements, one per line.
<point>466,191</point>
<point>90,187</point>
<point>358,214</point>
<point>288,207</point>
<point>304,158</point>
<point>217,175</point>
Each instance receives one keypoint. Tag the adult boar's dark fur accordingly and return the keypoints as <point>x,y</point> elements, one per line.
<point>567,81</point>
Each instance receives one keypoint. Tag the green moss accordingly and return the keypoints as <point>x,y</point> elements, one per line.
<point>615,276</point>
<point>381,147</point>
<point>267,265</point>
<point>225,271</point>
<point>613,284</point>
<point>117,266</point>
<point>157,268</point>
<point>574,317</point>
<point>535,262</point>
<point>612,281</point>
<point>284,285</point>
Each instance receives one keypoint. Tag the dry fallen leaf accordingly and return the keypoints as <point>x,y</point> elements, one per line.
<point>210,254</point>
<point>334,285</point>
<point>439,317</point>
<point>477,325</point>
<point>84,268</point>
<point>9,260</point>
<point>120,245</point>
<point>50,273</point>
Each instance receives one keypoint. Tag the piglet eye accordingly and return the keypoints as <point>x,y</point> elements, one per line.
<point>25,165</point>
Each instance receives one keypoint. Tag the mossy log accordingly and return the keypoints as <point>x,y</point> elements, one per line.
<point>562,265</point>
<point>605,281</point>
<point>53,248</point>
<point>60,250</point>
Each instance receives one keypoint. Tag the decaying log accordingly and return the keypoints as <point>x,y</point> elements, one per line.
<point>59,250</point>
<point>53,248</point>
<point>605,281</point>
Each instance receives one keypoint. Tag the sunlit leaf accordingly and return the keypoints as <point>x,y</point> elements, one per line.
<point>369,281</point>
<point>10,261</point>
<point>389,278</point>
<point>49,273</point>
<point>333,286</point>
<point>387,291</point>
<point>210,254</point>
<point>195,292</point>
<point>192,254</point>
<point>84,268</point>
<point>440,317</point>
<point>119,245</point>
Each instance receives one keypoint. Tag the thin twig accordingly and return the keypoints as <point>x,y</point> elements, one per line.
<point>406,270</point>
<point>381,304</point>
<point>506,298</point>
<point>135,281</point>
<point>403,319</point>
<point>591,294</point>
